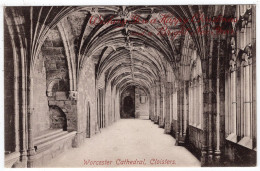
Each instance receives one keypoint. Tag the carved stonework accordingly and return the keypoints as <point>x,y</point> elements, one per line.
<point>232,65</point>
<point>248,50</point>
<point>247,55</point>
<point>73,95</point>
<point>49,93</point>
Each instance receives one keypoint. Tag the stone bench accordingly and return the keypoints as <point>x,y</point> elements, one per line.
<point>51,144</point>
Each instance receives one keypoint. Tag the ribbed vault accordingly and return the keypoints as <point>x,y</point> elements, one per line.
<point>134,40</point>
<point>128,51</point>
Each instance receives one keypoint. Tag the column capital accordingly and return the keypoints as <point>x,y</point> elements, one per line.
<point>73,95</point>
<point>49,93</point>
<point>232,64</point>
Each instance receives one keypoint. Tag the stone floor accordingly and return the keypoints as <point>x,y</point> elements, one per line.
<point>127,143</point>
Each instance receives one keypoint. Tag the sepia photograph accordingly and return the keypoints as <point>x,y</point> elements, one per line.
<point>129,86</point>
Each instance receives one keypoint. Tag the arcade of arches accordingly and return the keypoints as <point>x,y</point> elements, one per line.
<point>67,78</point>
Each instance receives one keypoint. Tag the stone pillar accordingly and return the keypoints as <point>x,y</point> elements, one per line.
<point>217,111</point>
<point>162,105</point>
<point>184,109</point>
<point>73,96</point>
<point>24,156</point>
<point>152,101</point>
<point>175,109</point>
<point>180,116</point>
<point>210,135</point>
<point>31,150</point>
<point>16,106</point>
<point>167,128</point>
<point>254,90</point>
<point>205,110</point>
<point>157,102</point>
<point>217,148</point>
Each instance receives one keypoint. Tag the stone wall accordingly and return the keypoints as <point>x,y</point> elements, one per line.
<point>141,104</point>
<point>108,105</point>
<point>68,106</point>
<point>194,140</point>
<point>51,85</point>
<point>40,101</point>
<point>117,106</point>
<point>55,62</point>
<point>9,95</point>
<point>237,155</point>
<point>87,95</point>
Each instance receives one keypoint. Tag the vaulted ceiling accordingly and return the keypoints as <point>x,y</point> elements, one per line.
<point>128,47</point>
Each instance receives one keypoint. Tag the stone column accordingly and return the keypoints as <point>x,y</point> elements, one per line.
<point>16,104</point>
<point>98,108</point>
<point>191,103</point>
<point>24,112</point>
<point>15,23</point>
<point>31,150</point>
<point>151,101</point>
<point>205,114</point>
<point>157,106</point>
<point>184,109</point>
<point>180,117</point>
<point>210,135</point>
<point>155,103</point>
<point>162,105</point>
<point>167,128</point>
<point>181,110</point>
<point>217,110</point>
<point>73,96</point>
<point>103,108</point>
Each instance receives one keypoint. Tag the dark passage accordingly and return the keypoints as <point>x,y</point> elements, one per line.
<point>127,103</point>
<point>129,107</point>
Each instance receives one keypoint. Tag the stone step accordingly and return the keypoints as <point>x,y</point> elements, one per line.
<point>44,145</point>
<point>50,137</point>
<point>47,133</point>
<point>144,117</point>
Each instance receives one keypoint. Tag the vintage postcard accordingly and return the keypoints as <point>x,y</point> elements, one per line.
<point>129,86</point>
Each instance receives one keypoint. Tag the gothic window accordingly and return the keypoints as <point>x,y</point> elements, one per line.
<point>247,97</point>
<point>240,114</point>
<point>239,102</point>
<point>231,102</point>
<point>196,92</point>
<point>196,102</point>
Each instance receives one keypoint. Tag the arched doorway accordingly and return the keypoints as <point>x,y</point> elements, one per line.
<point>129,107</point>
<point>58,118</point>
<point>127,103</point>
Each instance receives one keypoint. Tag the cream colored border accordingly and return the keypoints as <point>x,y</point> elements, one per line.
<point>115,2</point>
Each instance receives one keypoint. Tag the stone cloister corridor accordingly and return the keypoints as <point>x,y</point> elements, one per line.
<point>130,82</point>
<point>133,139</point>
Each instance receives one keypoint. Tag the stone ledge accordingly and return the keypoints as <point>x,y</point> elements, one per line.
<point>52,148</point>
<point>42,146</point>
<point>246,142</point>
<point>232,137</point>
<point>11,158</point>
<point>47,133</point>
